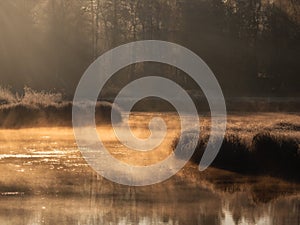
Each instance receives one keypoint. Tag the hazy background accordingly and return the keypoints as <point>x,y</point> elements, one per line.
<point>253,46</point>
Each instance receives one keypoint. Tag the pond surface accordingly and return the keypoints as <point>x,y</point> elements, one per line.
<point>45,180</point>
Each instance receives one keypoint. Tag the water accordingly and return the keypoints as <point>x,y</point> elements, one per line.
<point>205,209</point>
<point>44,180</point>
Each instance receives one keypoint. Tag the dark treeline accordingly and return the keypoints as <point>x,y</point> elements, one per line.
<point>253,46</point>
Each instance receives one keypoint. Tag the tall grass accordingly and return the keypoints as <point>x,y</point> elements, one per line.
<point>7,97</point>
<point>40,98</point>
<point>267,153</point>
<point>276,154</point>
<point>41,108</point>
<point>29,97</point>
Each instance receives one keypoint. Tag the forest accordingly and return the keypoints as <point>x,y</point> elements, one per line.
<point>252,46</point>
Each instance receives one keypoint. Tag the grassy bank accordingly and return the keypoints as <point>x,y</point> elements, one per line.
<point>265,153</point>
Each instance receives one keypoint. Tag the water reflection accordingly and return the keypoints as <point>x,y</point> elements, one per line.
<point>180,204</point>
